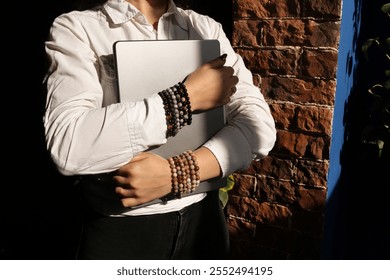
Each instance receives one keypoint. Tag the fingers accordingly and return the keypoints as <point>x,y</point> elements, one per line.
<point>124,193</point>
<point>228,96</point>
<point>130,202</point>
<point>233,90</point>
<point>121,180</point>
<point>218,62</point>
<point>223,57</point>
<point>128,197</point>
<point>123,188</point>
<point>132,197</point>
<point>229,71</point>
<point>233,81</point>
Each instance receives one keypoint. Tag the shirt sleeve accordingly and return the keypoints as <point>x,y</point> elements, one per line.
<point>82,136</point>
<point>250,131</point>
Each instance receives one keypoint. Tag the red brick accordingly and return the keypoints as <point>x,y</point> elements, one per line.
<point>239,229</point>
<point>276,208</point>
<point>298,90</point>
<point>248,33</point>
<point>311,173</point>
<point>271,62</point>
<point>265,9</point>
<point>256,212</point>
<point>296,32</point>
<point>312,199</point>
<point>322,9</point>
<point>319,63</point>
<point>302,145</point>
<point>296,117</point>
<point>324,34</point>
<point>273,167</point>
<point>276,191</point>
<point>244,185</point>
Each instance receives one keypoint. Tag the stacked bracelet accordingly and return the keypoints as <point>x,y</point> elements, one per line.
<point>185,173</point>
<point>177,108</point>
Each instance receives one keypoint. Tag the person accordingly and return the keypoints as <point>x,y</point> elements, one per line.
<point>104,143</point>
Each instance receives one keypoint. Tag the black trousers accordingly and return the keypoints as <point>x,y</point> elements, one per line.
<point>198,231</point>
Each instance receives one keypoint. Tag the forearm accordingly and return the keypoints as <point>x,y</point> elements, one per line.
<point>208,164</point>
<point>97,140</point>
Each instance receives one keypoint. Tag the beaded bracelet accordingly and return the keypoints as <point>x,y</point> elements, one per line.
<point>177,108</point>
<point>184,173</point>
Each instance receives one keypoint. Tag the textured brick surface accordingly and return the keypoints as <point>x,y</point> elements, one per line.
<point>309,33</point>
<point>276,208</point>
<point>302,145</point>
<point>320,92</point>
<point>330,9</point>
<point>272,62</point>
<point>294,117</point>
<point>266,9</point>
<point>320,63</point>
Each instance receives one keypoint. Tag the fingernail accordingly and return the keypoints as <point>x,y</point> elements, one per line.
<point>223,57</point>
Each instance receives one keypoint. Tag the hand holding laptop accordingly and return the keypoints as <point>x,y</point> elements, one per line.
<point>216,86</point>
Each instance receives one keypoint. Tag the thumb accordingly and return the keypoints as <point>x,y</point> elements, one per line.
<point>218,62</point>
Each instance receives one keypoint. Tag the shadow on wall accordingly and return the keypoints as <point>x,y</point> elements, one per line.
<point>357,214</point>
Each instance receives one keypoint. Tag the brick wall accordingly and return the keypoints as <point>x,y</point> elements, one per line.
<point>276,210</point>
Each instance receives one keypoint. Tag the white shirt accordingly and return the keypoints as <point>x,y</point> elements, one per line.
<point>89,132</point>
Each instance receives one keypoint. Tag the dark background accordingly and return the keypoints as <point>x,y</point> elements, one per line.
<point>361,198</point>
<point>38,209</point>
<point>39,214</point>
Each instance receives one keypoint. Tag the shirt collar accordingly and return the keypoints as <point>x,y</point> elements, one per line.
<point>121,11</point>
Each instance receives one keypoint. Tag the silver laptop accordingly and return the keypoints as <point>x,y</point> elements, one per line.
<point>148,67</point>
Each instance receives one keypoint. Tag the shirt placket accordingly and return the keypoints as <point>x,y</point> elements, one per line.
<point>163,27</point>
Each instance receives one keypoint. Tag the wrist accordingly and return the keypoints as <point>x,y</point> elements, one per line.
<point>177,106</point>
<point>192,97</point>
<point>184,173</point>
